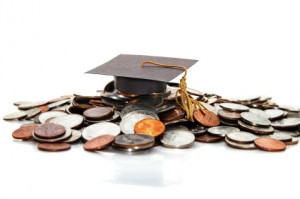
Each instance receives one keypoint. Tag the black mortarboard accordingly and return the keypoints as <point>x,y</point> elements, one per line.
<point>131,78</point>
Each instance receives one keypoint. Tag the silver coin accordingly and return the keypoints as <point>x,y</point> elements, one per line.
<point>154,101</point>
<point>222,130</point>
<point>133,140</point>
<point>286,123</point>
<point>101,128</point>
<point>293,141</point>
<point>67,134</point>
<point>30,105</point>
<point>137,107</point>
<point>239,145</point>
<point>281,136</point>
<point>255,120</point>
<point>32,112</point>
<point>76,135</point>
<point>241,137</point>
<point>198,130</point>
<point>264,98</point>
<point>58,103</point>
<point>228,122</point>
<point>177,139</point>
<point>17,103</point>
<point>68,121</point>
<point>43,117</point>
<point>290,108</point>
<point>293,114</point>
<point>194,92</point>
<point>274,113</point>
<point>210,108</point>
<point>259,112</point>
<point>234,107</point>
<point>173,90</point>
<point>133,148</point>
<point>255,129</point>
<point>127,123</point>
<point>293,133</point>
<point>15,116</point>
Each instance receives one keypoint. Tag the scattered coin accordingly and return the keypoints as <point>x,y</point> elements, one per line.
<point>24,132</point>
<point>241,137</point>
<point>68,121</point>
<point>65,136</point>
<point>15,116</point>
<point>133,142</point>
<point>149,126</point>
<point>255,119</point>
<point>53,147</point>
<point>98,143</point>
<point>58,103</point>
<point>76,135</point>
<point>43,117</point>
<point>177,139</point>
<point>234,107</point>
<point>44,108</point>
<point>101,128</point>
<point>207,138</point>
<point>290,108</point>
<point>292,142</point>
<point>281,136</point>
<point>255,129</point>
<point>222,130</point>
<point>287,123</point>
<point>98,113</point>
<point>274,113</point>
<point>48,131</point>
<point>293,132</point>
<point>269,144</point>
<point>32,112</point>
<point>259,112</point>
<point>171,115</point>
<point>228,115</point>
<point>206,118</point>
<point>30,105</point>
<point>239,145</point>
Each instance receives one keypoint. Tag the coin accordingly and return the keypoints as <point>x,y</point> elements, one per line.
<point>255,120</point>
<point>177,138</point>
<point>58,103</point>
<point>30,105</point>
<point>48,131</point>
<point>24,132</point>
<point>286,123</point>
<point>228,115</point>
<point>145,108</point>
<point>68,121</point>
<point>207,138</point>
<point>208,119</point>
<point>293,133</point>
<point>43,117</point>
<point>229,122</point>
<point>98,113</point>
<point>290,108</point>
<point>44,108</point>
<point>78,109</point>
<point>133,140</point>
<point>15,116</point>
<point>181,120</point>
<point>149,126</point>
<point>32,112</point>
<point>254,129</point>
<point>173,114</point>
<point>154,101</point>
<point>259,112</point>
<point>234,107</point>
<point>98,143</point>
<point>66,97</point>
<point>241,137</point>
<point>53,147</point>
<point>133,148</point>
<point>281,136</point>
<point>274,113</point>
<point>269,144</point>
<point>210,108</point>
<point>67,134</point>
<point>76,135</point>
<point>198,130</point>
<point>222,130</point>
<point>101,128</point>
<point>240,145</point>
<point>292,142</point>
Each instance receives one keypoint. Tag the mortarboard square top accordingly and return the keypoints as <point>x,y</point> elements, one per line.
<point>131,78</point>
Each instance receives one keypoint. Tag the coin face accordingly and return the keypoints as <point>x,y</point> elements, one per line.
<point>173,114</point>
<point>274,113</point>
<point>30,105</point>
<point>24,132</point>
<point>53,147</point>
<point>177,139</point>
<point>15,116</point>
<point>255,119</point>
<point>228,115</point>
<point>101,128</point>
<point>48,131</point>
<point>259,112</point>
<point>76,135</point>
<point>293,133</point>
<point>258,130</point>
<point>222,130</point>
<point>241,137</point>
<point>32,112</point>
<point>144,108</point>
<point>43,117</point>
<point>98,113</point>
<point>65,136</point>
<point>290,108</point>
<point>68,121</point>
<point>206,118</point>
<point>239,145</point>
<point>207,138</point>
<point>281,136</point>
<point>127,123</point>
<point>98,143</point>
<point>131,140</point>
<point>286,123</point>
<point>269,144</point>
<point>149,126</point>
<point>234,107</point>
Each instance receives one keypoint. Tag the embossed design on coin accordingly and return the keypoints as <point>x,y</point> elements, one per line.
<point>207,118</point>
<point>255,120</point>
<point>177,139</point>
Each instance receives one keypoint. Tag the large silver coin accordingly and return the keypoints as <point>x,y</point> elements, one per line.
<point>30,105</point>
<point>281,136</point>
<point>178,139</point>
<point>76,135</point>
<point>67,134</point>
<point>255,129</point>
<point>241,137</point>
<point>68,121</point>
<point>259,112</point>
<point>255,120</point>
<point>101,128</point>
<point>15,116</point>
<point>290,108</point>
<point>127,123</point>
<point>137,107</point>
<point>222,130</point>
<point>234,107</point>
<point>154,101</point>
<point>133,140</point>
<point>239,145</point>
<point>133,148</point>
<point>274,113</point>
<point>43,117</point>
<point>287,123</point>
<point>293,133</point>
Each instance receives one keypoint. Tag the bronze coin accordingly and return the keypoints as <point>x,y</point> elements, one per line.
<point>54,146</point>
<point>208,138</point>
<point>24,132</point>
<point>292,142</point>
<point>173,114</point>
<point>49,130</point>
<point>269,144</point>
<point>98,112</point>
<point>228,115</point>
<point>149,126</point>
<point>98,143</point>
<point>206,118</point>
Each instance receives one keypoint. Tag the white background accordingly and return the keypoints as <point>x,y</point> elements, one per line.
<point>243,47</point>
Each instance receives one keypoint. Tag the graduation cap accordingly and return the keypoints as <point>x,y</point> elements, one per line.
<point>131,78</point>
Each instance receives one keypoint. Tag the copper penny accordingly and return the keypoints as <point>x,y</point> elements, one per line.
<point>208,138</point>
<point>44,108</point>
<point>228,115</point>
<point>24,132</point>
<point>98,112</point>
<point>149,126</point>
<point>54,146</point>
<point>49,130</point>
<point>98,143</point>
<point>269,144</point>
<point>173,114</point>
<point>207,118</point>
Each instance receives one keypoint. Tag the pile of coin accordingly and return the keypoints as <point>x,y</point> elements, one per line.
<point>128,122</point>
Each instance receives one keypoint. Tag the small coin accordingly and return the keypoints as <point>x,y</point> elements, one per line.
<point>207,138</point>
<point>76,135</point>
<point>241,137</point>
<point>98,113</point>
<point>177,139</point>
<point>15,116</point>
<point>149,126</point>
<point>98,143</point>
<point>286,123</point>
<point>290,108</point>
<point>255,119</point>
<point>32,112</point>
<point>173,114</point>
<point>17,103</point>
<point>228,115</point>
<point>206,118</point>
<point>53,147</point>
<point>269,144</point>
<point>254,129</point>
<point>133,148</point>
<point>30,105</point>
<point>133,140</point>
<point>145,108</point>
<point>229,122</point>
<point>67,134</point>
<point>181,120</point>
<point>66,97</point>
<point>68,121</point>
<point>24,132</point>
<point>154,101</point>
<point>234,107</point>
<point>259,112</point>
<point>101,128</point>
<point>293,133</point>
<point>44,108</point>
<point>292,142</point>
<point>222,130</point>
<point>239,145</point>
<point>274,113</point>
<point>281,136</point>
<point>49,131</point>
<point>58,103</point>
<point>43,117</point>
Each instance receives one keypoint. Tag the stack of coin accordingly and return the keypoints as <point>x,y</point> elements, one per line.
<point>231,113</point>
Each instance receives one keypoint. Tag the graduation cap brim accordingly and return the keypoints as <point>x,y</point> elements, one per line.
<point>130,77</point>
